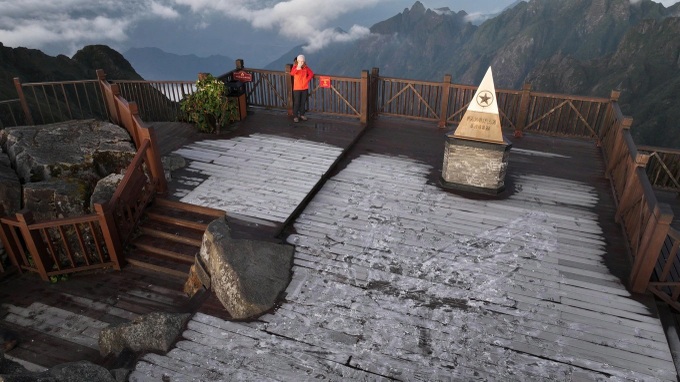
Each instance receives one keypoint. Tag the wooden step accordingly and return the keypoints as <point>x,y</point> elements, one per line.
<point>176,221</point>
<point>175,205</point>
<point>171,236</point>
<point>140,258</point>
<point>193,233</point>
<point>160,252</point>
<point>141,263</point>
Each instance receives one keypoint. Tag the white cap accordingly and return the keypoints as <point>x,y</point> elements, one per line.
<point>301,58</point>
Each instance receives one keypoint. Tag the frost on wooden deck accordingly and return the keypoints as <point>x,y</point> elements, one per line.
<point>395,278</point>
<point>259,176</point>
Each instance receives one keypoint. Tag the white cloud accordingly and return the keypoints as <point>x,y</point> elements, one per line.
<point>163,11</point>
<point>59,28</point>
<point>74,23</point>
<point>305,20</point>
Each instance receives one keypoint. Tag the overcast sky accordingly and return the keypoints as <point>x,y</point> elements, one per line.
<point>256,30</point>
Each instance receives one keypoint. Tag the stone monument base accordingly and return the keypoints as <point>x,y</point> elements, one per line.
<point>475,166</point>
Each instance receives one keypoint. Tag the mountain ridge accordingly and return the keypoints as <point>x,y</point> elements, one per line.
<point>175,66</point>
<point>583,47</point>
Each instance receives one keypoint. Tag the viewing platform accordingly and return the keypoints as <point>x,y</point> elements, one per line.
<point>394,278</point>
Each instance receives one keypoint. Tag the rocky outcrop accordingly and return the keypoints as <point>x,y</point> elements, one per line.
<point>84,149</point>
<point>154,332</point>
<point>60,164</point>
<point>246,275</point>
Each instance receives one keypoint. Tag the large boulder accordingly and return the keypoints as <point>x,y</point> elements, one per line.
<point>247,276</point>
<point>154,332</point>
<point>73,149</point>
<point>59,164</point>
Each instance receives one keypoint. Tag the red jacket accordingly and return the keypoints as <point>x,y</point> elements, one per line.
<point>301,77</point>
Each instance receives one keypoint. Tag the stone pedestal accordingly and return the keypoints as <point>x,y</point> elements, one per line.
<point>475,166</point>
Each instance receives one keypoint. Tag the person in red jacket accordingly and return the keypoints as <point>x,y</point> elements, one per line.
<point>302,74</point>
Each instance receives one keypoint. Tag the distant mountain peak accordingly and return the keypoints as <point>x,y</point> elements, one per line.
<point>418,7</point>
<point>175,66</point>
<point>418,19</point>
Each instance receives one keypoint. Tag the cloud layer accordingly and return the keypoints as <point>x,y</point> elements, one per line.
<point>75,23</point>
<point>37,23</point>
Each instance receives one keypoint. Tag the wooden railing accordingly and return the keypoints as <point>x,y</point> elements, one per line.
<point>666,284</point>
<point>273,90</point>
<point>268,89</point>
<point>51,102</point>
<point>645,221</point>
<point>76,244</point>
<point>157,101</point>
<point>663,168</point>
<point>58,246</point>
<point>11,113</point>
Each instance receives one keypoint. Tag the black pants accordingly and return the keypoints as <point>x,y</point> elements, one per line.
<point>299,102</point>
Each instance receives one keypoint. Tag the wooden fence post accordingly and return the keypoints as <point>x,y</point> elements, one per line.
<point>110,233</point>
<point>22,100</point>
<point>651,243</point>
<point>524,103</point>
<point>363,119</point>
<point>32,238</point>
<point>446,92</point>
<point>289,88</point>
<point>373,95</point>
<point>109,96</point>
<point>618,146</point>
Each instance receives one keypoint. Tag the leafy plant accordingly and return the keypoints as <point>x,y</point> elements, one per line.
<point>209,107</point>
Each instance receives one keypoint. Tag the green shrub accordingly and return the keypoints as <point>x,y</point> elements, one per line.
<point>209,107</point>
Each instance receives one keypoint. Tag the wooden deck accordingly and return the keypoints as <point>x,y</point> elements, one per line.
<point>394,278</point>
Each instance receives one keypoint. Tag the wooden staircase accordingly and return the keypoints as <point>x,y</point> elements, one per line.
<point>169,236</point>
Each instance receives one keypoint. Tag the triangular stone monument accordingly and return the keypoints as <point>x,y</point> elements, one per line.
<point>481,121</point>
<point>476,154</point>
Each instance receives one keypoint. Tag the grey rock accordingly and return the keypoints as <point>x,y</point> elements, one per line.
<point>153,332</point>
<point>52,199</point>
<point>105,189</point>
<point>81,371</point>
<point>173,162</point>
<point>246,275</point>
<point>67,149</point>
